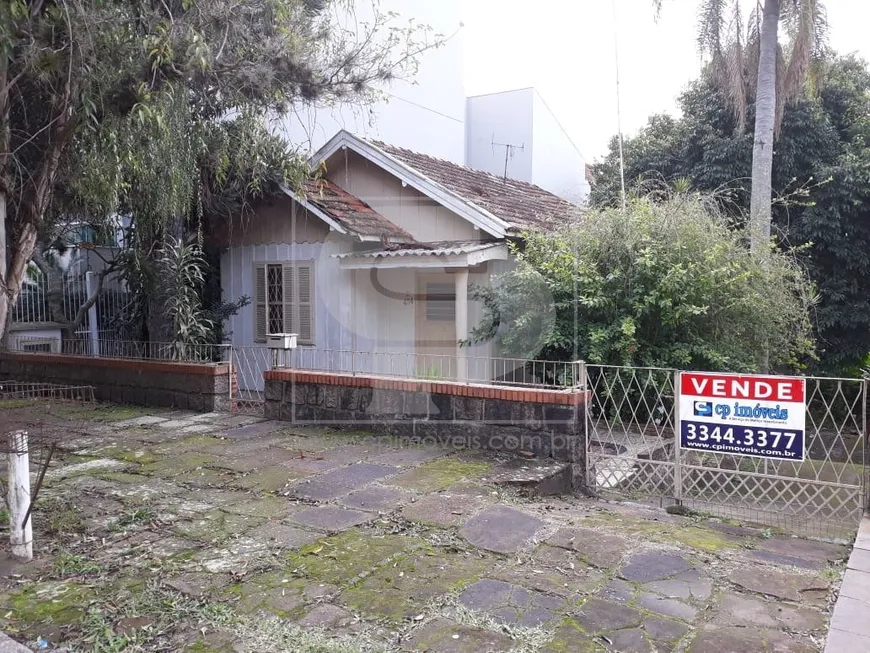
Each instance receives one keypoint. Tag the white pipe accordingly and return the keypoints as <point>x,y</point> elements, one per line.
<point>461,322</point>
<point>18,496</point>
<point>90,288</point>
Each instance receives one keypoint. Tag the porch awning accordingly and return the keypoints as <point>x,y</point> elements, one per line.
<point>450,254</point>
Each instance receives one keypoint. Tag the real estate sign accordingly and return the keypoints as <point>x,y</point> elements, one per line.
<point>761,416</point>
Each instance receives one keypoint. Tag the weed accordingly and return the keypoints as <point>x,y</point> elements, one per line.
<point>100,636</point>
<point>830,573</point>
<point>69,564</point>
<point>60,518</point>
<point>132,519</point>
<point>275,634</point>
<point>679,509</point>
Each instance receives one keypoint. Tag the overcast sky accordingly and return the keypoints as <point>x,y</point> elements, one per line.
<point>565,49</point>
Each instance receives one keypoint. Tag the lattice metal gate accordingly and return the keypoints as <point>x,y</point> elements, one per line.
<point>246,378</point>
<point>632,454</point>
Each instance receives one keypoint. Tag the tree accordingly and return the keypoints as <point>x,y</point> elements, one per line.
<point>109,105</point>
<point>662,284</point>
<point>759,66</point>
<point>821,205</point>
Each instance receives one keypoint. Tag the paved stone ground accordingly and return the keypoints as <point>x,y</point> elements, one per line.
<point>173,531</point>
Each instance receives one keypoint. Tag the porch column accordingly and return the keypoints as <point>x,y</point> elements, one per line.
<point>461,322</point>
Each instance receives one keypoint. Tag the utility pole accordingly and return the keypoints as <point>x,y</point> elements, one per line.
<point>509,150</point>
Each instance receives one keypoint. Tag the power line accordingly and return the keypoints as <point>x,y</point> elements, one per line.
<point>425,108</point>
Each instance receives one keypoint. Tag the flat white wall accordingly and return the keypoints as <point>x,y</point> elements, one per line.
<point>557,164</point>
<point>425,114</point>
<point>503,118</point>
<point>521,117</point>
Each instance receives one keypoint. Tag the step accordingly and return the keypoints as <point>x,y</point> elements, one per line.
<point>535,477</point>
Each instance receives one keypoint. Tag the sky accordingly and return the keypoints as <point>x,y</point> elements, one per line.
<point>566,50</point>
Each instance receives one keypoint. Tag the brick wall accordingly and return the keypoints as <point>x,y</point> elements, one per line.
<point>192,386</point>
<point>548,423</point>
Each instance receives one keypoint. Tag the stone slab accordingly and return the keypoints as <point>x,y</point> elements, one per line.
<point>730,639</point>
<point>446,636</point>
<point>687,585</point>
<point>667,607</point>
<point>253,431</point>
<point>441,509</point>
<point>283,535</point>
<point>409,457</point>
<point>511,604</point>
<point>815,555</point>
<point>329,518</point>
<point>596,548</point>
<point>597,616</point>
<point>9,645</point>
<point>341,481</point>
<point>793,587</point>
<point>325,616</point>
<point>376,498</point>
<point>646,567</point>
<point>501,529</point>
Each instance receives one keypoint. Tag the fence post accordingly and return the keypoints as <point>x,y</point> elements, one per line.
<point>93,327</point>
<point>230,369</point>
<point>583,382</point>
<point>678,471</point>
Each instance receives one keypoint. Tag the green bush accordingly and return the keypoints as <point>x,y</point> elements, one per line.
<point>667,284</point>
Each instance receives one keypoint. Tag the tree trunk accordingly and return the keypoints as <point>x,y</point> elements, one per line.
<point>765,118</point>
<point>5,308</point>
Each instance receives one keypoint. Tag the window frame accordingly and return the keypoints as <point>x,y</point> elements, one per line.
<point>261,272</point>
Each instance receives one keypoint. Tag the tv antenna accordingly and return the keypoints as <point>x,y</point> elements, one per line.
<point>509,149</point>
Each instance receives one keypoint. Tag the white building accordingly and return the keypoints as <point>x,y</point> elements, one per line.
<point>515,134</point>
<point>426,114</point>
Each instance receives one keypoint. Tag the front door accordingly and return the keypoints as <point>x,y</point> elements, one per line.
<point>436,326</point>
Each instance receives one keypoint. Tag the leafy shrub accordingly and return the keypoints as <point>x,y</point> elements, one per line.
<point>666,284</point>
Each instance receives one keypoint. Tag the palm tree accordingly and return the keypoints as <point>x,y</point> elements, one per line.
<point>751,61</point>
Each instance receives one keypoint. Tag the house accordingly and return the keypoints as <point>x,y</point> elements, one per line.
<point>371,265</point>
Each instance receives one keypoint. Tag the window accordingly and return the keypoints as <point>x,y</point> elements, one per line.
<point>283,300</point>
<point>440,302</point>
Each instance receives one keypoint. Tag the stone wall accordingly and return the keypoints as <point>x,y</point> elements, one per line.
<point>548,423</point>
<point>191,386</point>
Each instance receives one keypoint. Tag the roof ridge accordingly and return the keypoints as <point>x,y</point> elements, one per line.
<point>496,178</point>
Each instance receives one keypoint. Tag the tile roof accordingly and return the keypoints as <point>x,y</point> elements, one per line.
<point>446,248</point>
<point>351,212</point>
<point>523,206</point>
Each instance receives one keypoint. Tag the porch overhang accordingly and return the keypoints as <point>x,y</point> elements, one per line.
<point>453,255</point>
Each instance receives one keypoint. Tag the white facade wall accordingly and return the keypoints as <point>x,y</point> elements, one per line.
<point>548,159</point>
<point>502,118</point>
<point>557,165</point>
<point>425,114</point>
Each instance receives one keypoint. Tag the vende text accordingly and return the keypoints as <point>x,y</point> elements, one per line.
<point>759,388</point>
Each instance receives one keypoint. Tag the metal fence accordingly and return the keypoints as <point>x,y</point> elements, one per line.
<point>34,305</point>
<point>131,350</point>
<point>439,367</point>
<point>633,453</point>
<point>249,363</point>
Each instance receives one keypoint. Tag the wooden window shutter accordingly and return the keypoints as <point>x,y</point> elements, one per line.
<point>260,311</point>
<point>306,309</point>
<point>289,299</point>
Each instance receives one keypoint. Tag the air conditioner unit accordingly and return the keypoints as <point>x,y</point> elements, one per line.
<point>281,341</point>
